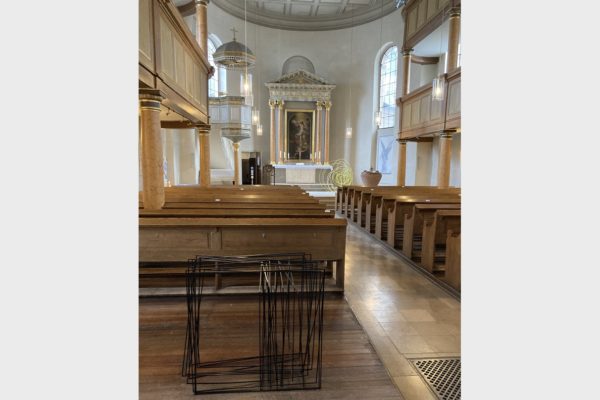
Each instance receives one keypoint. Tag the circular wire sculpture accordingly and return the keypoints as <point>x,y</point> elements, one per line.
<point>340,175</point>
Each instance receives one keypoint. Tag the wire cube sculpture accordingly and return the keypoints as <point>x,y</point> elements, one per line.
<point>289,326</point>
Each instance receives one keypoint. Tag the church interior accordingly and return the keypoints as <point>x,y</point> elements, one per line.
<point>272,199</point>
<point>300,155</point>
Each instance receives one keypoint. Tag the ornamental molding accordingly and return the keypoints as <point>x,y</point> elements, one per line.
<point>276,20</point>
<point>300,85</point>
<point>301,77</point>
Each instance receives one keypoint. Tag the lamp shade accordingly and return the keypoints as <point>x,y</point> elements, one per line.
<point>437,89</point>
<point>234,56</point>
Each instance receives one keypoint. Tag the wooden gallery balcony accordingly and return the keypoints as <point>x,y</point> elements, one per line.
<point>171,61</point>
<point>422,116</point>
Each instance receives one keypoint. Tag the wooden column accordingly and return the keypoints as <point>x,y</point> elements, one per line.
<point>406,57</point>
<point>443,176</point>
<point>453,39</point>
<point>280,134</point>
<point>236,164</point>
<point>152,152</point>
<point>325,157</point>
<point>402,163</point>
<point>204,136</point>
<point>203,132</point>
<point>202,25</point>
<point>317,157</point>
<point>273,148</point>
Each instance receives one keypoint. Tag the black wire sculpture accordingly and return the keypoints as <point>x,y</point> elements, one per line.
<point>290,325</point>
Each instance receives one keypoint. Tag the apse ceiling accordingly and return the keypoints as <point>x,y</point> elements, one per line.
<point>308,15</point>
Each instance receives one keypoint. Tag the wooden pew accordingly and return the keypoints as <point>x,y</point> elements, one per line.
<point>236,213</point>
<point>403,206</point>
<point>182,194</point>
<point>420,217</point>
<point>374,222</point>
<point>241,188</point>
<point>339,196</point>
<point>435,234</point>
<point>452,276</point>
<point>216,198</point>
<point>164,240</point>
<point>358,196</point>
<point>242,205</point>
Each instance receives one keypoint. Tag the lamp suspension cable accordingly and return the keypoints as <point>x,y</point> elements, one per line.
<point>437,86</point>
<point>245,79</point>
<point>256,111</point>
<point>349,127</point>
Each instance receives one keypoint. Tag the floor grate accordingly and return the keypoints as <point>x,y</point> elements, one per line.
<point>442,375</point>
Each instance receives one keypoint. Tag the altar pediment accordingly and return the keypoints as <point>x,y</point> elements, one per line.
<point>300,85</point>
<point>301,77</point>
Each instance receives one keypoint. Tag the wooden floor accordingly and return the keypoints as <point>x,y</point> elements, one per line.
<point>351,368</point>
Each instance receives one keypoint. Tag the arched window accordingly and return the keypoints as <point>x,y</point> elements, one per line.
<point>388,71</point>
<point>213,83</point>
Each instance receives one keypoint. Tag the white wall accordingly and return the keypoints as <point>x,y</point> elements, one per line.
<point>422,160</point>
<point>455,161</point>
<point>181,152</point>
<point>330,53</point>
<point>411,164</point>
<point>423,170</point>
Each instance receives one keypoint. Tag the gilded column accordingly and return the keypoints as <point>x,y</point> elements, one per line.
<point>280,135</point>
<point>204,136</point>
<point>453,38</point>
<point>402,162</point>
<point>443,176</point>
<point>318,146</point>
<point>202,25</point>
<point>236,164</point>
<point>325,156</point>
<point>272,149</point>
<point>152,152</point>
<point>406,57</point>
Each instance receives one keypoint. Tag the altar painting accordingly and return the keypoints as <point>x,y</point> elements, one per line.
<point>299,134</point>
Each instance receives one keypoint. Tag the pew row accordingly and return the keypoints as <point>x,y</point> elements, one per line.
<point>401,212</point>
<point>416,220</point>
<point>237,213</point>
<point>168,240</point>
<point>378,205</point>
<point>358,197</point>
<point>436,226</point>
<point>241,205</point>
<point>452,276</point>
<point>344,193</point>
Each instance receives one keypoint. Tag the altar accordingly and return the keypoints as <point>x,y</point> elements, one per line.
<point>300,103</point>
<point>294,174</point>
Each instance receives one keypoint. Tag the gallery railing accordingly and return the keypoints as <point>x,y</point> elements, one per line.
<point>171,60</point>
<point>421,115</point>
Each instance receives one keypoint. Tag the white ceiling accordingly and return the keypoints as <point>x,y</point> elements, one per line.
<point>307,14</point>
